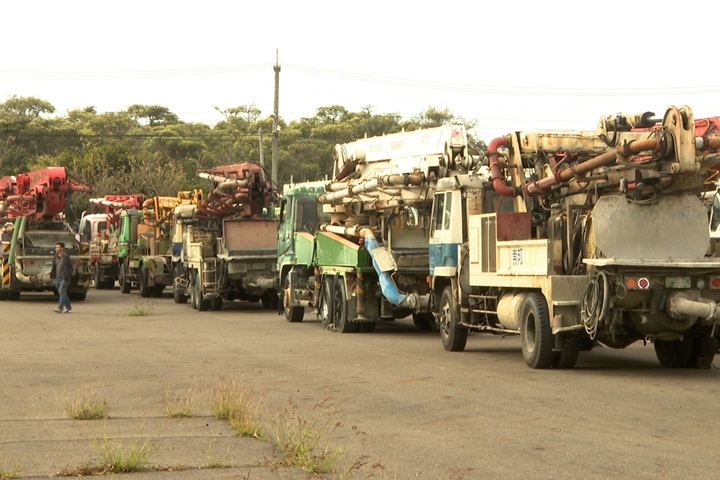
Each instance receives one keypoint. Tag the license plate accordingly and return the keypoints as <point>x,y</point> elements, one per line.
<point>677,282</point>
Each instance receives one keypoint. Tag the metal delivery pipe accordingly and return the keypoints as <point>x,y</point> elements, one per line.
<point>679,305</point>
<point>607,158</point>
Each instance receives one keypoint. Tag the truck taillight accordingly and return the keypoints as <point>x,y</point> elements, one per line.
<point>642,283</point>
<point>714,282</point>
<point>28,262</point>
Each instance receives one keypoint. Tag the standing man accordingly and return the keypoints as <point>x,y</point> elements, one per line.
<point>61,273</point>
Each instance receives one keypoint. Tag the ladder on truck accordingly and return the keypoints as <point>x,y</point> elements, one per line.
<point>209,276</point>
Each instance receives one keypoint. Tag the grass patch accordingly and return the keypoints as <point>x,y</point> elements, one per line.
<point>116,456</point>
<point>181,405</point>
<point>142,309</point>
<point>303,442</point>
<point>124,455</point>
<point>238,404</point>
<point>87,406</point>
<point>8,471</point>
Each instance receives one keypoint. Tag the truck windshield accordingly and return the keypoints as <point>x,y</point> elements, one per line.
<point>306,218</point>
<point>48,239</point>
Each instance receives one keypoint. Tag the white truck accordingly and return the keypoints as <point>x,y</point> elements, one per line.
<point>572,238</point>
<point>99,233</point>
<point>225,247</point>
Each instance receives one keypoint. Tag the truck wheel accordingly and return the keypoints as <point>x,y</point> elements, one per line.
<point>424,321</point>
<point>145,289</point>
<point>193,291</point>
<point>326,305</point>
<point>366,327</point>
<point>343,324</point>
<point>201,303</point>
<point>568,355</point>
<point>178,292</point>
<point>536,338</point>
<point>78,296</point>
<point>125,284</point>
<point>269,300</point>
<point>216,304</point>
<point>99,284</point>
<point>453,336</point>
<point>674,353</point>
<point>292,313</point>
<point>703,352</point>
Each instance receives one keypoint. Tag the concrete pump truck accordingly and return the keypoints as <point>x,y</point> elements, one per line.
<point>355,247</point>
<point>100,232</point>
<point>34,204</point>
<point>224,248</point>
<point>575,238</point>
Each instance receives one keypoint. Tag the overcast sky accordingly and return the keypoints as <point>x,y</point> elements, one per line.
<point>510,65</point>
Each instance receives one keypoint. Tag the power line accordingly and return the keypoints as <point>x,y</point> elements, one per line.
<point>506,90</point>
<point>125,75</point>
<point>366,78</point>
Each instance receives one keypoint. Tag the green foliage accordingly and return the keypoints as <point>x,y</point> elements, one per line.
<point>148,149</point>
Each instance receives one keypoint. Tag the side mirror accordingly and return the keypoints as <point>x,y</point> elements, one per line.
<point>412,217</point>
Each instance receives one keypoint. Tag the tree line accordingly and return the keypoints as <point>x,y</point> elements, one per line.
<point>147,149</point>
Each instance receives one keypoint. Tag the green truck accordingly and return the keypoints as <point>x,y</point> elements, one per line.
<point>144,246</point>
<point>355,249</point>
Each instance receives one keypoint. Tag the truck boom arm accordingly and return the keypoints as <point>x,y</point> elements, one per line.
<point>40,194</point>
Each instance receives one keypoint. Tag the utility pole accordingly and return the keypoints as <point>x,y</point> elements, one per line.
<point>276,118</point>
<point>262,156</point>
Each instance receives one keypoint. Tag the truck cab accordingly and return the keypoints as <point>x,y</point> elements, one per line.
<point>300,214</point>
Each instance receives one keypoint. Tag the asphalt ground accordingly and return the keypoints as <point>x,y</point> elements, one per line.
<point>394,401</point>
<point>136,365</point>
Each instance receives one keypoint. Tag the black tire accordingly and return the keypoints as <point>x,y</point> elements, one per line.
<point>125,285</point>
<point>99,284</point>
<point>14,295</point>
<point>567,357</point>
<point>326,305</point>
<point>145,289</point>
<point>157,291</point>
<point>78,296</point>
<point>674,353</point>
<point>366,327</point>
<point>270,300</point>
<point>536,338</point>
<point>292,313</point>
<point>178,292</point>
<point>203,304</point>
<point>193,292</point>
<point>425,321</point>
<point>703,351</point>
<point>453,336</point>
<point>341,319</point>
<point>216,304</point>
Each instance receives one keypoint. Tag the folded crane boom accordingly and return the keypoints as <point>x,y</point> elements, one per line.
<point>224,247</point>
<point>33,204</point>
<point>362,255</point>
<point>581,237</point>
